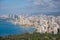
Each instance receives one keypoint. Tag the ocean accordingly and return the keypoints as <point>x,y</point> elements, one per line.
<point>7,28</point>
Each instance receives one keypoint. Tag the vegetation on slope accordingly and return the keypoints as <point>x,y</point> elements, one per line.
<point>32,36</point>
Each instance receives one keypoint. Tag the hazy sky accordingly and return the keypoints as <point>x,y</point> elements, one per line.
<point>28,6</point>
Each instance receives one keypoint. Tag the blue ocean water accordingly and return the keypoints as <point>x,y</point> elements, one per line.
<point>7,28</point>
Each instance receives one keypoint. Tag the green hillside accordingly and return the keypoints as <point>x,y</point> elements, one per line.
<point>32,36</point>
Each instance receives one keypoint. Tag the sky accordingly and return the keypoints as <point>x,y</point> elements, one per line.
<point>29,6</point>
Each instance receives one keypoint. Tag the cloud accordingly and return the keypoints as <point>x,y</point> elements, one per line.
<point>37,2</point>
<point>56,0</point>
<point>46,4</point>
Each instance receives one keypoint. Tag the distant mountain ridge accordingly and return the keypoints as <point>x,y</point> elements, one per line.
<point>54,13</point>
<point>48,13</point>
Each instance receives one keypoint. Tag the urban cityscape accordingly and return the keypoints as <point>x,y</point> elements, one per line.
<point>42,23</point>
